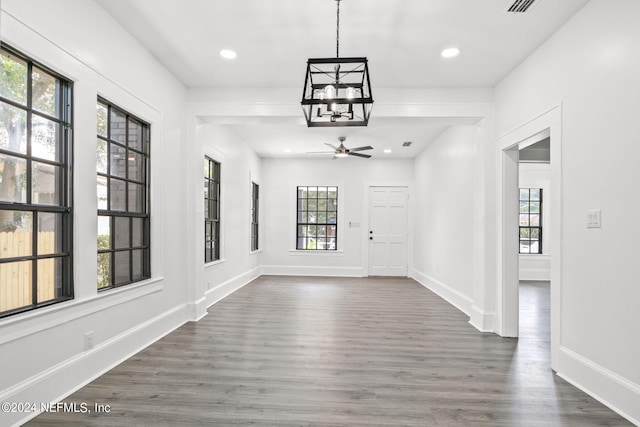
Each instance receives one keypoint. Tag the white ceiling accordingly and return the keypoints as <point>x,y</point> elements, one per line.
<point>401,38</point>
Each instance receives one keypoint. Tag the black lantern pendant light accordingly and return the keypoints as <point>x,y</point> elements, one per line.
<point>337,91</point>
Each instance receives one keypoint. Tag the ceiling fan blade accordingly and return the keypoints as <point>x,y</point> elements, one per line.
<point>366,156</point>
<point>368,147</point>
<point>331,145</point>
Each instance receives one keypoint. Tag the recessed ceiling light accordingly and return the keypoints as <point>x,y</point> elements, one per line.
<point>287,151</point>
<point>228,54</point>
<point>387,150</point>
<point>450,52</point>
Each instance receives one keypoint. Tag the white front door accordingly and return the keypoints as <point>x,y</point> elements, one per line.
<point>387,232</point>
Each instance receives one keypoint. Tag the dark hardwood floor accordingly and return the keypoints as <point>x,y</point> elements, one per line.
<point>302,351</point>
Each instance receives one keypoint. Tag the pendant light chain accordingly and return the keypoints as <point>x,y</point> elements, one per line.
<point>337,28</point>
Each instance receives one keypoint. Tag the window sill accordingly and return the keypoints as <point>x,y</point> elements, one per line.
<point>50,317</point>
<point>314,252</point>
<point>214,263</point>
<point>257,251</point>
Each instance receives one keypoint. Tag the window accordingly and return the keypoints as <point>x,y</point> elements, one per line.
<point>317,218</point>
<point>35,185</point>
<point>122,164</point>
<point>531,220</point>
<point>255,206</point>
<point>211,210</point>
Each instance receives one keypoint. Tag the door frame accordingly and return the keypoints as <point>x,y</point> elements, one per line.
<point>507,292</point>
<point>365,222</point>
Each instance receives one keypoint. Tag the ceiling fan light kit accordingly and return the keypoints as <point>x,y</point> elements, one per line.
<point>337,91</point>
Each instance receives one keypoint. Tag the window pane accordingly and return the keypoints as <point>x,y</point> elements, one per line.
<point>312,193</point>
<point>535,233</point>
<point>137,232</point>
<point>312,217</point>
<point>332,192</point>
<point>136,198</point>
<point>525,246</point>
<point>535,220</point>
<point>45,92</point>
<point>331,218</point>
<point>102,119</point>
<point>535,194</point>
<point>322,192</point>
<point>524,194</point>
<point>312,204</point>
<point>134,160</point>
<point>524,232</point>
<point>311,230</point>
<point>13,128</point>
<point>104,270</point>
<point>16,285</point>
<point>121,233</point>
<point>15,234</point>
<point>322,205</point>
<point>332,205</point>
<point>118,195</point>
<point>207,173</point>
<point>535,207</point>
<point>12,179</point>
<point>49,279</point>
<point>118,156</point>
<point>102,192</point>
<point>101,156</point>
<point>535,247</point>
<point>331,244</point>
<point>104,232</point>
<point>524,207</point>
<point>44,138</point>
<point>45,184</point>
<point>118,126</point>
<point>121,260</point>
<point>524,220</point>
<point>136,264</point>
<point>135,135</point>
<point>331,231</point>
<point>322,217</point>
<point>13,78</point>
<point>49,233</point>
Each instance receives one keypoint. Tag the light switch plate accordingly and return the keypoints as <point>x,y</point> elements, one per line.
<point>594,218</point>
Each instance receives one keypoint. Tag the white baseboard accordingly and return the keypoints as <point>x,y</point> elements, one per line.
<point>60,381</point>
<point>482,320</point>
<point>225,289</point>
<point>609,388</point>
<point>453,297</point>
<point>291,270</point>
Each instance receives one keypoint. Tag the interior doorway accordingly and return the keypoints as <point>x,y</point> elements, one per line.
<point>547,125</point>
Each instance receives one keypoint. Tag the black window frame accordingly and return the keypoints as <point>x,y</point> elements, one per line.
<point>525,229</point>
<point>64,163</point>
<point>304,222</point>
<point>140,251</point>
<point>212,190</point>
<point>255,216</point>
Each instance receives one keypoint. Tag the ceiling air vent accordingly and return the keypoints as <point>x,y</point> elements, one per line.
<point>520,6</point>
<point>406,144</point>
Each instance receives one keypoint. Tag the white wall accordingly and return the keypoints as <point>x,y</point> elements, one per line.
<point>42,352</point>
<point>444,218</point>
<point>591,67</point>
<point>281,176</point>
<point>537,175</point>
<point>239,167</point>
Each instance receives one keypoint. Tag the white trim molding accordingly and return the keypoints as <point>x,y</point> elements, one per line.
<point>588,376</point>
<point>453,297</point>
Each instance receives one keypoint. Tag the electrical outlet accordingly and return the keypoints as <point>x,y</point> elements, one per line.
<point>88,340</point>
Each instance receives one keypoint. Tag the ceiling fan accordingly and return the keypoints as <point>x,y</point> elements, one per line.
<point>342,151</point>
